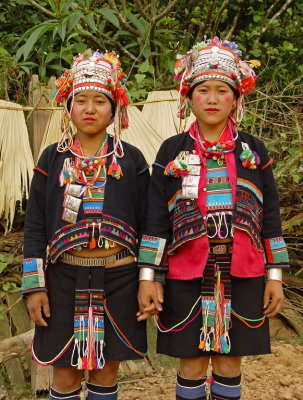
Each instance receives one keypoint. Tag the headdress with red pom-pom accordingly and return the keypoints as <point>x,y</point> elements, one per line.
<point>219,60</point>
<point>100,72</point>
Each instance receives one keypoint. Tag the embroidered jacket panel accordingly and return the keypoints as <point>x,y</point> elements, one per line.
<point>46,235</point>
<point>173,220</point>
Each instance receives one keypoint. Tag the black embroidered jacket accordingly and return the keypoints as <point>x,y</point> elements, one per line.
<point>46,235</point>
<point>172,220</point>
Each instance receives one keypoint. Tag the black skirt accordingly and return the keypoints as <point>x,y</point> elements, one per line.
<point>246,300</point>
<point>121,287</point>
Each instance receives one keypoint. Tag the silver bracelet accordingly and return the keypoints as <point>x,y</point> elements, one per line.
<point>146,274</point>
<point>274,274</point>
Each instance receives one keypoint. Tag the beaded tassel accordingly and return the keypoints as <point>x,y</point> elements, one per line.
<point>89,332</point>
<point>114,169</point>
<point>250,159</point>
<point>216,320</point>
<point>178,167</point>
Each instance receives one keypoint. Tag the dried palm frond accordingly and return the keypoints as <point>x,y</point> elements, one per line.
<point>161,112</point>
<point>53,130</point>
<point>141,134</point>
<point>16,162</point>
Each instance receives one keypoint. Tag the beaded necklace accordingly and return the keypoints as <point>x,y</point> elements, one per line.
<point>89,166</point>
<point>217,149</point>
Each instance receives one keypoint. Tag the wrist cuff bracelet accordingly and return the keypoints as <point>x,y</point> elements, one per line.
<point>146,274</point>
<point>274,274</point>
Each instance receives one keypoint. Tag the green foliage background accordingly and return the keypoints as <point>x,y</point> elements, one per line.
<point>42,37</point>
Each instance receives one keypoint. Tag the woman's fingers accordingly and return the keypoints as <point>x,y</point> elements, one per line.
<point>273,298</point>
<point>149,297</point>
<point>36,303</point>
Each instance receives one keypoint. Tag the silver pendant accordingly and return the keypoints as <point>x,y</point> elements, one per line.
<point>194,170</point>
<point>191,180</point>
<point>69,215</point>
<point>193,159</point>
<point>71,202</point>
<point>190,192</point>
<point>73,190</point>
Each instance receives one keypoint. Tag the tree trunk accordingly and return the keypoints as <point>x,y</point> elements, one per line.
<point>15,346</point>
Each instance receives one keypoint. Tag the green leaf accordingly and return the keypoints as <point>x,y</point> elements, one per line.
<point>90,22</point>
<point>72,35</point>
<point>134,94</point>
<point>42,71</point>
<point>287,46</point>
<point>138,23</point>
<point>6,258</point>
<point>57,67</point>
<point>109,14</point>
<point>25,69</point>
<point>29,64</point>
<point>140,77</point>
<point>31,41</point>
<point>296,178</point>
<point>61,29</point>
<point>53,5</point>
<point>73,20</point>
<point>6,286</point>
<point>66,5</point>
<point>50,57</point>
<point>257,18</point>
<point>3,265</point>
<point>144,67</point>
<point>129,45</point>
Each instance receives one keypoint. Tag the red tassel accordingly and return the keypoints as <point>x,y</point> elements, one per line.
<point>92,243</point>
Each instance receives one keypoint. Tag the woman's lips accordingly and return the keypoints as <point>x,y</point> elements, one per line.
<point>89,120</point>
<point>211,110</point>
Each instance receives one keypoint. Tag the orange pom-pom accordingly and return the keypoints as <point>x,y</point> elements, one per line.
<point>92,243</point>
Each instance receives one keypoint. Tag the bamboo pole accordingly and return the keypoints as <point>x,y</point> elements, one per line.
<point>29,108</point>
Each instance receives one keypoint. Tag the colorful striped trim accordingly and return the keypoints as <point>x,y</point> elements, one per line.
<point>275,250</point>
<point>41,170</point>
<point>151,250</point>
<point>70,236</point>
<point>267,164</point>
<point>252,187</point>
<point>172,202</point>
<point>33,274</point>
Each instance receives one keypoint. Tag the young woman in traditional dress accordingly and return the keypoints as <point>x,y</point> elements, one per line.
<point>83,219</point>
<point>213,230</point>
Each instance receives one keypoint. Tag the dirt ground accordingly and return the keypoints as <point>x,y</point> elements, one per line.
<point>278,376</point>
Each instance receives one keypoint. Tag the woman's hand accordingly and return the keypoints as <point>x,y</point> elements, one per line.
<point>37,303</point>
<point>150,297</point>
<point>273,298</point>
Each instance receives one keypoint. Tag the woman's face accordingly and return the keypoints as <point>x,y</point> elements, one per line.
<point>91,112</point>
<point>212,102</point>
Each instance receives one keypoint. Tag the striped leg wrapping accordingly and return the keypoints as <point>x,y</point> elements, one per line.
<point>224,388</point>
<point>97,392</point>
<point>188,389</point>
<point>54,395</point>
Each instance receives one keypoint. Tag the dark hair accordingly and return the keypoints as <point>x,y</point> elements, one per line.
<point>69,101</point>
<point>190,92</point>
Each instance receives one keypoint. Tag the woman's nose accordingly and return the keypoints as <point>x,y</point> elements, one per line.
<point>90,107</point>
<point>212,97</point>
